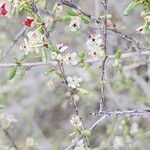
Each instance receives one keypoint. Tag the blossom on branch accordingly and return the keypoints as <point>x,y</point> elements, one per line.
<point>95,46</point>
<point>34,42</point>
<point>75,121</point>
<point>74,82</point>
<point>75,24</point>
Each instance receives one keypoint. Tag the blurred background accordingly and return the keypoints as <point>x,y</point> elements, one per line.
<point>41,104</point>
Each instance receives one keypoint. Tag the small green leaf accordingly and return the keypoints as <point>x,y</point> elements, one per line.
<point>129,10</point>
<point>71,12</point>
<point>53,48</point>
<point>73,133</point>
<point>12,73</point>
<point>65,19</point>
<point>44,56</point>
<point>86,132</point>
<point>23,57</point>
<point>85,19</point>
<point>83,91</point>
<point>2,106</point>
<point>118,54</point>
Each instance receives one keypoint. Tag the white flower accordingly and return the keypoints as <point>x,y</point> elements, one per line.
<point>118,143</point>
<point>94,44</point>
<point>71,58</point>
<point>55,56</point>
<point>61,47</point>
<point>75,121</point>
<point>134,128</point>
<point>30,142</point>
<point>75,23</point>
<point>80,145</point>
<point>142,30</point>
<point>11,119</point>
<point>34,42</point>
<point>25,47</point>
<point>74,82</point>
<point>35,38</point>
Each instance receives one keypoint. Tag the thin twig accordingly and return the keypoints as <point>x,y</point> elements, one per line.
<point>7,134</point>
<point>89,61</point>
<point>102,99</point>
<point>15,40</point>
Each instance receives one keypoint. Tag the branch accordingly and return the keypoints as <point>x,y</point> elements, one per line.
<point>135,43</point>
<point>89,61</point>
<point>7,134</point>
<point>102,100</point>
<point>110,114</point>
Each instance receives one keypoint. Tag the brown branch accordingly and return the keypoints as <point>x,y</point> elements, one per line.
<point>102,100</point>
<point>7,134</point>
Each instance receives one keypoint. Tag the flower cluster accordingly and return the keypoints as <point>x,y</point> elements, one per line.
<point>33,43</point>
<point>95,46</point>
<point>74,82</point>
<point>66,58</point>
<point>75,121</point>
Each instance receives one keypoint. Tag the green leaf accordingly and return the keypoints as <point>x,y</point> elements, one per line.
<point>53,48</point>
<point>71,12</point>
<point>23,57</point>
<point>44,56</point>
<point>85,19</point>
<point>86,132</point>
<point>65,19</point>
<point>73,133</point>
<point>12,73</point>
<point>2,106</point>
<point>83,91</point>
<point>129,10</point>
<point>118,54</point>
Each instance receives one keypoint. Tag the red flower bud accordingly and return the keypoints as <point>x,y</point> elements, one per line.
<point>29,21</point>
<point>5,8</point>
